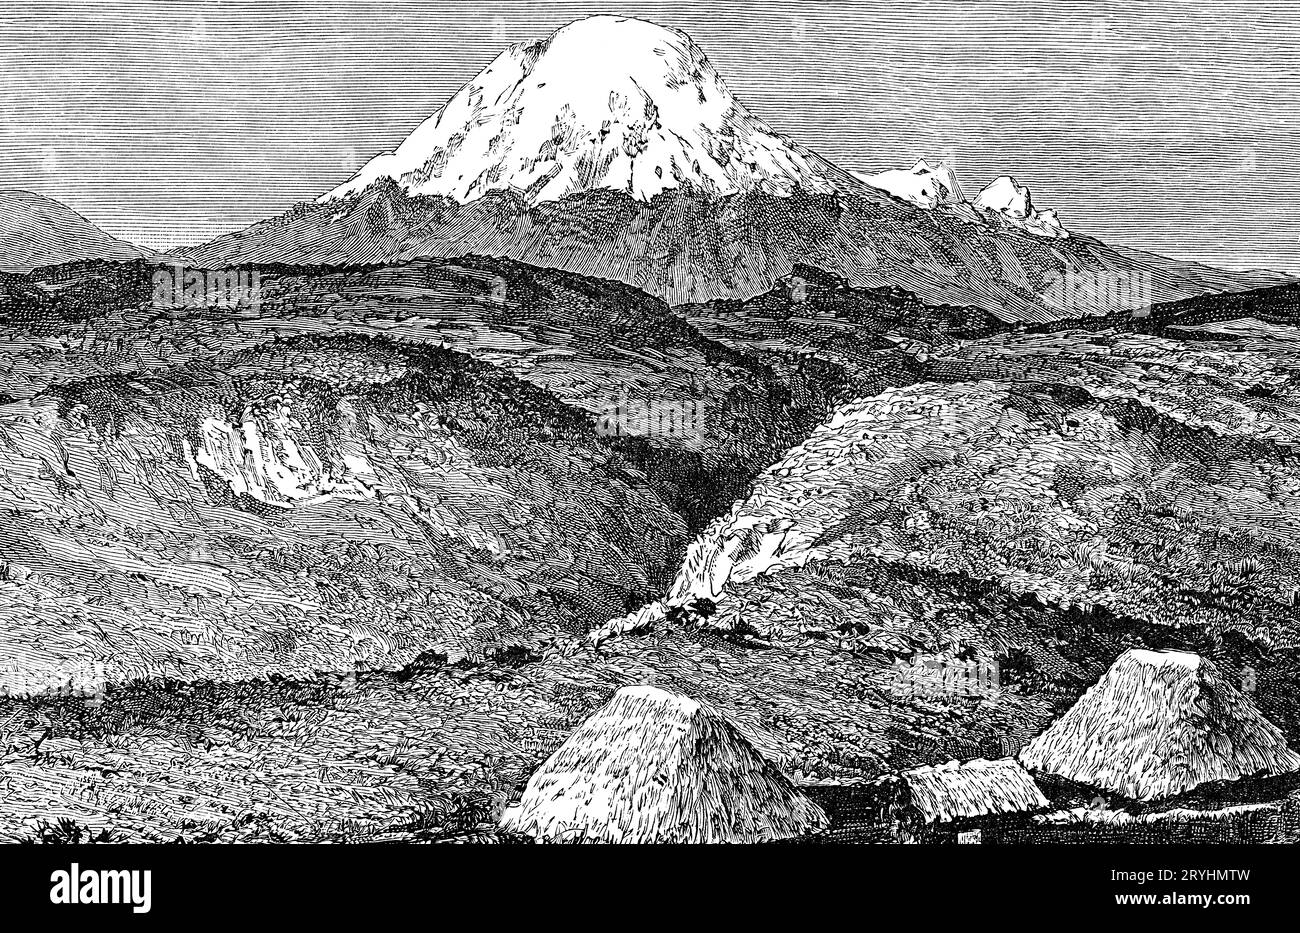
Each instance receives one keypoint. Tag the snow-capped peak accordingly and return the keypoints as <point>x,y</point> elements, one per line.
<point>605,102</point>
<point>1011,202</point>
<point>924,185</point>
<point>929,186</point>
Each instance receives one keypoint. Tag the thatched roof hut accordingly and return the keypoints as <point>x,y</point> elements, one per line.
<point>655,767</point>
<point>1160,723</point>
<point>964,790</point>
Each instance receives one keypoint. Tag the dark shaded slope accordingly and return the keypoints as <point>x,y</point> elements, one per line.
<point>39,231</point>
<point>687,247</point>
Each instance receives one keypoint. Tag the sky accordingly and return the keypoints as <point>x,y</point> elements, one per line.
<point>1169,126</point>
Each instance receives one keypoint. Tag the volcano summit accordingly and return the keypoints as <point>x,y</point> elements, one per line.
<point>603,103</point>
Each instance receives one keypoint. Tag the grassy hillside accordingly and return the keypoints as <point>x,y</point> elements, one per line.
<point>880,336</point>
<point>1081,500</point>
<point>433,754</point>
<point>1043,501</point>
<point>701,418</point>
<point>314,504</point>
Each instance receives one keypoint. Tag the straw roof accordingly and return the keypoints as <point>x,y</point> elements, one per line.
<point>1158,724</point>
<point>655,767</point>
<point>942,793</point>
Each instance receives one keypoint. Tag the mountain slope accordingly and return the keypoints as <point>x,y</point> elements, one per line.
<point>687,248</point>
<point>1140,483</point>
<point>814,315</point>
<point>699,417</point>
<point>312,504</point>
<point>39,231</point>
<point>1076,500</point>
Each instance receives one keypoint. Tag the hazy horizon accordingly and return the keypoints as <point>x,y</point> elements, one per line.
<point>1172,128</point>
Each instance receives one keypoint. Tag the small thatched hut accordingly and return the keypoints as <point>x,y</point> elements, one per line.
<point>965,789</point>
<point>655,767</point>
<point>963,795</point>
<point>933,804</point>
<point>1158,724</point>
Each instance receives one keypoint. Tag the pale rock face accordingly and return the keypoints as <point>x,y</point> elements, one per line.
<point>1012,203</point>
<point>265,458</point>
<point>268,456</point>
<point>605,102</point>
<point>924,185</point>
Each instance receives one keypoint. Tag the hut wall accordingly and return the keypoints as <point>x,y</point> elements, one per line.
<point>857,813</point>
